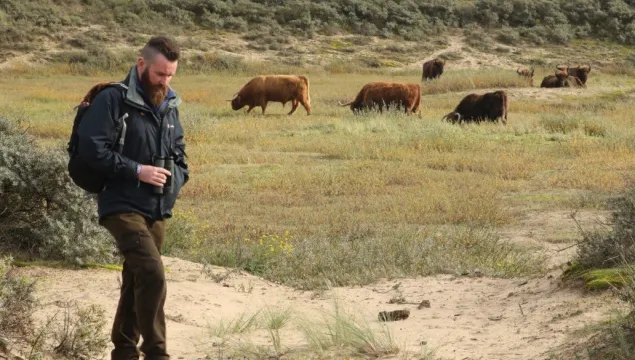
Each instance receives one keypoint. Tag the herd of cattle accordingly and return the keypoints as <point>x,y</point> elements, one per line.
<point>490,106</point>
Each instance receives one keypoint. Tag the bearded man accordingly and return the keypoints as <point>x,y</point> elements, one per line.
<point>140,190</point>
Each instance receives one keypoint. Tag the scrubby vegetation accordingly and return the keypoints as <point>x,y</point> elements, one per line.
<point>42,214</point>
<point>76,332</point>
<point>534,21</point>
<point>606,260</point>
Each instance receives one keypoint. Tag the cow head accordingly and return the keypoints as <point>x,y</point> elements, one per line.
<point>453,117</point>
<point>563,68</point>
<point>582,73</point>
<point>562,77</point>
<point>236,101</point>
<point>438,65</point>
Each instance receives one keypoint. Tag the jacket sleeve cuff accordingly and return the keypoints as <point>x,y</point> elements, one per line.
<point>131,169</point>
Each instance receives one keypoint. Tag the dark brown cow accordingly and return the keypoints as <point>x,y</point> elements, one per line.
<point>573,81</point>
<point>474,107</point>
<point>558,80</point>
<point>581,72</point>
<point>378,94</point>
<point>277,88</point>
<point>432,69</point>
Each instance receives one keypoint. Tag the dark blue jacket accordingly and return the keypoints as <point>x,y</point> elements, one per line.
<point>98,131</point>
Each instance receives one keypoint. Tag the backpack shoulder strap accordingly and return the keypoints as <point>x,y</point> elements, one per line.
<point>121,120</point>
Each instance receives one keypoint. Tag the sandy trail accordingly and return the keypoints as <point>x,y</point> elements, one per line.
<point>470,317</point>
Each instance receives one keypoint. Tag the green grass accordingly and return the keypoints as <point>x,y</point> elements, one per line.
<point>337,333</point>
<point>385,195</point>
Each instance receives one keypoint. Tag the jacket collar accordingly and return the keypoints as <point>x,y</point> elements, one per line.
<point>135,97</point>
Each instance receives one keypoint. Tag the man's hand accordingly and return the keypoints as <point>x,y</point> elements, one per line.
<point>153,175</point>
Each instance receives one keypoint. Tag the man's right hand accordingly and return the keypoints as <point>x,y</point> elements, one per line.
<point>153,175</point>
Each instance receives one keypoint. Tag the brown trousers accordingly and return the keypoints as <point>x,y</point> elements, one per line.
<point>143,288</point>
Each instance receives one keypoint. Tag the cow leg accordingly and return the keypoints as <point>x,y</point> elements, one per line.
<point>294,106</point>
<point>250,108</point>
<point>264,107</point>
<point>307,105</point>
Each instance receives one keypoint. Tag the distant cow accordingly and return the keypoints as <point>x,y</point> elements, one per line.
<point>432,69</point>
<point>277,88</point>
<point>489,106</point>
<point>581,72</point>
<point>561,79</point>
<point>526,73</point>
<point>558,80</point>
<point>378,94</point>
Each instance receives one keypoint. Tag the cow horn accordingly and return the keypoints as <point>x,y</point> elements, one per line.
<point>340,104</point>
<point>233,97</point>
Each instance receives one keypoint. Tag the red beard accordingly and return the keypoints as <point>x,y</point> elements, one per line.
<point>155,93</point>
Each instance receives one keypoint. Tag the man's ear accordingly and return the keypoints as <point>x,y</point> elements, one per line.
<point>141,64</point>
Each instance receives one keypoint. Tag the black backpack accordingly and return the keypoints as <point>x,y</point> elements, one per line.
<point>81,172</point>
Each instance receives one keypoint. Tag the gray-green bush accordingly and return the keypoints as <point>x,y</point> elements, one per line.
<point>615,247</point>
<point>42,213</point>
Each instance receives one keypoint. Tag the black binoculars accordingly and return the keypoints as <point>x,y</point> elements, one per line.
<point>166,163</point>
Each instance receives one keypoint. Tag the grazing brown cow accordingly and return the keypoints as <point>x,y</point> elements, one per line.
<point>526,73</point>
<point>489,106</point>
<point>378,94</point>
<point>277,88</point>
<point>432,69</point>
<point>558,80</point>
<point>581,72</point>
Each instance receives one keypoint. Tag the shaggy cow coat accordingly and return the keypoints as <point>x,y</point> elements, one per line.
<point>474,107</point>
<point>380,94</point>
<point>273,88</point>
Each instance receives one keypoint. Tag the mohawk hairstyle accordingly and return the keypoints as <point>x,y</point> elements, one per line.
<point>161,45</point>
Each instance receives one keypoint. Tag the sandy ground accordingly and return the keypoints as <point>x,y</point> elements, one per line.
<point>470,317</point>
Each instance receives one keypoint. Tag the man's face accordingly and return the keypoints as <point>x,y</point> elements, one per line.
<point>155,77</point>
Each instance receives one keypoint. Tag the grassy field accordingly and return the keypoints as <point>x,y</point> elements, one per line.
<point>334,198</point>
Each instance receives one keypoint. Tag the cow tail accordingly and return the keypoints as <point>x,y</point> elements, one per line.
<point>308,93</point>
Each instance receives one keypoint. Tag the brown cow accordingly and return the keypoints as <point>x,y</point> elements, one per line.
<point>277,88</point>
<point>573,81</point>
<point>526,73</point>
<point>432,69</point>
<point>489,106</point>
<point>378,94</point>
<point>581,72</point>
<point>560,79</point>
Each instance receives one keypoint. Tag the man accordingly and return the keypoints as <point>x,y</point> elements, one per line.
<point>131,205</point>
